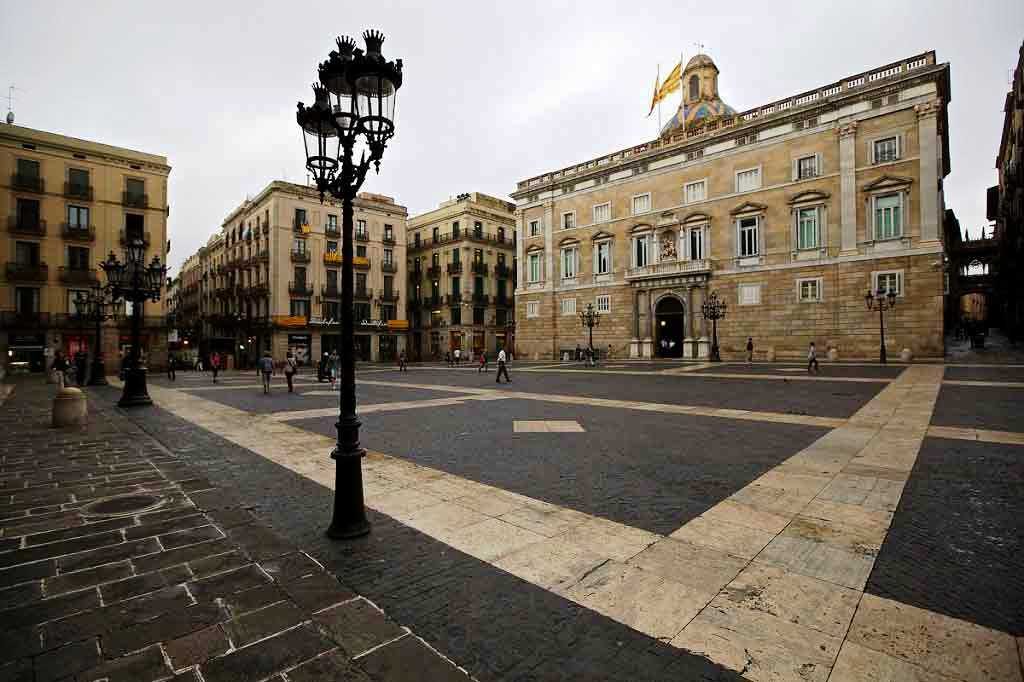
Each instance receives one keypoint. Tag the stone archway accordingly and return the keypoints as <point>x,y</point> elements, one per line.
<point>669,327</point>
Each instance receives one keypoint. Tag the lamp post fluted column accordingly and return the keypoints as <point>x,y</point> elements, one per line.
<point>714,309</point>
<point>882,301</point>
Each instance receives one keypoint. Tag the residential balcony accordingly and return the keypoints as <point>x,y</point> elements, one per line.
<point>73,190</point>
<point>389,267</point>
<point>27,183</point>
<point>266,228</point>
<point>259,290</point>
<point>33,227</point>
<point>330,291</point>
<point>264,255</point>
<point>362,236</point>
<point>455,268</point>
<point>668,268</point>
<point>144,234</point>
<point>300,227</point>
<point>502,270</point>
<point>11,319</point>
<point>453,299</point>
<point>332,231</point>
<point>27,272</point>
<point>83,276</point>
<point>362,294</point>
<point>300,256</point>
<point>472,235</point>
<point>300,289</point>
<point>389,296</point>
<point>431,301</point>
<point>135,199</point>
<point>389,240</point>
<point>479,268</point>
<point>502,299</point>
<point>416,274</point>
<point>481,299</point>
<point>332,257</point>
<point>80,233</point>
<point>434,271</point>
<point>361,263</point>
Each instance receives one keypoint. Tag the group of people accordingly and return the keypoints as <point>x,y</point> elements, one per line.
<point>265,366</point>
<point>61,367</point>
<point>812,355</point>
<point>589,355</point>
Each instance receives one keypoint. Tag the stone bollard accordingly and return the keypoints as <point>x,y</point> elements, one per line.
<point>769,354</point>
<point>906,355</point>
<point>69,407</point>
<point>833,354</point>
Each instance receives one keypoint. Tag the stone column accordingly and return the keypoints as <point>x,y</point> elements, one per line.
<point>927,134</point>
<point>647,343</point>
<point>848,185</point>
<point>549,246</point>
<point>634,341</point>
<point>688,346</point>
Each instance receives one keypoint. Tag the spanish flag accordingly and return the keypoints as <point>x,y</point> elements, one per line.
<point>671,83</point>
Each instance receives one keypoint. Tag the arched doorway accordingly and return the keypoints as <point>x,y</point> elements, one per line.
<point>670,327</point>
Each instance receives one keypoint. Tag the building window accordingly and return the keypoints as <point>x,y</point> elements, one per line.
<point>26,300</point>
<point>478,229</point>
<point>299,307</point>
<point>299,246</point>
<point>641,250</point>
<point>603,258</point>
<point>891,280</point>
<point>748,236</point>
<point>888,216</point>
<point>568,306</point>
<point>78,258</point>
<point>478,286</point>
<point>387,312</point>
<point>641,203</point>
<point>533,308</point>
<point>389,257</point>
<point>78,217</point>
<point>808,232</point>
<point>569,220</point>
<point>500,317</point>
<point>886,149</point>
<point>501,234</point>
<point>27,213</point>
<point>78,181</point>
<point>478,255</point>
<point>809,290</point>
<point>534,228</point>
<point>603,304</point>
<point>694,87</point>
<point>533,271</point>
<point>300,217</point>
<point>570,257</point>
<point>697,243</point>
<point>748,180</point>
<point>361,228</point>
<point>749,294</point>
<point>478,315</point>
<point>456,315</point>
<point>332,247</point>
<point>435,233</point>
<point>360,251</point>
<point>332,222</point>
<point>602,212</point>
<point>389,233</point>
<point>807,167</point>
<point>695,191</point>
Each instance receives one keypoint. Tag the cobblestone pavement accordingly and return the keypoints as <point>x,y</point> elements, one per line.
<point>121,561</point>
<point>646,524</point>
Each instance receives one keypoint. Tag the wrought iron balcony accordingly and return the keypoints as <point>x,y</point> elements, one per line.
<point>389,240</point>
<point>27,272</point>
<point>479,268</point>
<point>144,234</point>
<point>431,301</point>
<point>135,199</point>
<point>362,236</point>
<point>389,267</point>
<point>332,230</point>
<point>362,293</point>
<point>416,274</point>
<point>27,183</point>
<point>258,290</point>
<point>434,271</point>
<point>502,270</point>
<point>74,190</point>
<point>26,225</point>
<point>455,268</point>
<point>300,227</point>
<point>327,291</point>
<point>453,299</point>
<point>80,233</point>
<point>300,256</point>
<point>84,276</point>
<point>16,318</point>
<point>481,299</point>
<point>389,296</point>
<point>361,263</point>
<point>300,289</point>
<point>332,257</point>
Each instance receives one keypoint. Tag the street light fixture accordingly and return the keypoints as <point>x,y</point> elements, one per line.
<point>92,306</point>
<point>353,111</point>
<point>590,318</point>
<point>882,301</point>
<point>714,309</point>
<point>135,281</point>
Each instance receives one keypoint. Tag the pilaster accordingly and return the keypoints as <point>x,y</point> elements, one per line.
<point>927,135</point>
<point>848,185</point>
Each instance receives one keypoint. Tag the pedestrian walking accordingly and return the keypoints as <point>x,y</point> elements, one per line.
<point>59,367</point>
<point>332,365</point>
<point>215,365</point>
<point>483,362</point>
<point>579,353</point>
<point>750,349</point>
<point>170,366</point>
<point>609,355</point>
<point>458,356</point>
<point>812,358</point>
<point>290,367</point>
<point>502,367</point>
<point>401,362</point>
<point>448,358</point>
<point>266,369</point>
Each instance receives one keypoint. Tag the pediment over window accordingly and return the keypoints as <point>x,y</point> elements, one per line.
<point>642,227</point>
<point>601,234</point>
<point>809,195</point>
<point>569,241</point>
<point>748,207</point>
<point>887,182</point>
<point>667,218</point>
<point>697,218</point>
<point>534,248</point>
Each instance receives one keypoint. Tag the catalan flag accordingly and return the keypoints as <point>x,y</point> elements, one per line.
<point>671,83</point>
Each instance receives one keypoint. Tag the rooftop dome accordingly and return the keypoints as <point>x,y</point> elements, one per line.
<point>700,60</point>
<point>701,102</point>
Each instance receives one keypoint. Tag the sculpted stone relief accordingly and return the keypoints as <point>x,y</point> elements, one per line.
<point>668,246</point>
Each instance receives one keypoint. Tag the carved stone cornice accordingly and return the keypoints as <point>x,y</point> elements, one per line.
<point>847,129</point>
<point>928,109</point>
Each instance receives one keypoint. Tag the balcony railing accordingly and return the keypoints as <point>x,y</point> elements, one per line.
<point>135,199</point>
<point>416,274</point>
<point>479,268</point>
<point>455,268</point>
<point>485,237</point>
<point>361,262</point>
<point>502,299</point>
<point>300,289</point>
<point>362,236</point>
<point>332,230</point>
<point>16,318</point>
<point>388,240</point>
<point>453,299</point>
<point>434,271</point>
<point>300,256</point>
<point>501,270</point>
<point>25,225</point>
<point>389,267</point>
<point>144,235</point>
<point>672,267</point>
<point>74,190</point>
<point>362,293</point>
<point>257,290</point>
<point>81,233</point>
<point>27,183</point>
<point>431,301</point>
<point>330,291</point>
<point>27,272</point>
<point>389,296</point>
<point>300,227</point>
<point>481,299</point>
<point>332,257</point>
<point>86,276</point>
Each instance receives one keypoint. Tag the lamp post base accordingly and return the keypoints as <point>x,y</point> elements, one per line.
<point>348,519</point>
<point>98,373</point>
<point>135,393</point>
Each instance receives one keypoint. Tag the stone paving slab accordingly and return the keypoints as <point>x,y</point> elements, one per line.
<point>980,407</point>
<point>194,585</point>
<point>1014,374</point>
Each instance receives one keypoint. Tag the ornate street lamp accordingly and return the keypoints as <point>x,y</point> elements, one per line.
<point>135,281</point>
<point>92,307</point>
<point>590,318</point>
<point>345,130</point>
<point>882,301</point>
<point>714,309</point>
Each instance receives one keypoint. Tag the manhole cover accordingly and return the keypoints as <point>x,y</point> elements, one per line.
<point>123,505</point>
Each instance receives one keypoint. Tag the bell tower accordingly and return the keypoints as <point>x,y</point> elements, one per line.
<point>700,80</point>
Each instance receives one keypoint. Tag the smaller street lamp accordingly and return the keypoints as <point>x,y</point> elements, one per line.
<point>590,318</point>
<point>92,307</point>
<point>882,301</point>
<point>714,309</point>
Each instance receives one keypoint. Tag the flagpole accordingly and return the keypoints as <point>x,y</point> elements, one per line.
<point>659,101</point>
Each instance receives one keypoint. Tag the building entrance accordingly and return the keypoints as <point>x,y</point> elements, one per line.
<point>670,327</point>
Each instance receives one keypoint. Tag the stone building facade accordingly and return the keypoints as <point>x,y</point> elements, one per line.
<point>790,212</point>
<point>270,279</point>
<point>68,203</point>
<point>462,277</point>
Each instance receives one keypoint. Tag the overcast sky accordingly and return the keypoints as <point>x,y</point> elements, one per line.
<point>493,93</point>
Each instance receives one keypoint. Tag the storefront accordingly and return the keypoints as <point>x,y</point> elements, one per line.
<point>301,345</point>
<point>26,352</point>
<point>388,347</point>
<point>363,344</point>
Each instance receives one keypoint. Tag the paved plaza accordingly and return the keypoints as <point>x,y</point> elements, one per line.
<point>640,520</point>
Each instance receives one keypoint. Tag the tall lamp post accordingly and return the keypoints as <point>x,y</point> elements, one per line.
<point>882,301</point>
<point>92,307</point>
<point>345,131</point>
<point>590,318</point>
<point>135,281</point>
<point>714,309</point>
